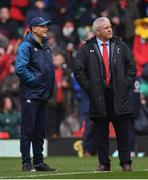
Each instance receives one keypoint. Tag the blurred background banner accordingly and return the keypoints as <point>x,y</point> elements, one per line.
<point>11,148</point>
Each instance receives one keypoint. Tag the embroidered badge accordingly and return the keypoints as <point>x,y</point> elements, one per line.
<point>35,49</point>
<point>29,101</point>
<point>91,50</point>
<point>118,50</point>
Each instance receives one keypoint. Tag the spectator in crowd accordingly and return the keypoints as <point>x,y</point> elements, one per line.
<point>57,104</point>
<point>9,118</point>
<point>82,100</point>
<point>122,14</point>
<point>70,39</point>
<point>144,86</point>
<point>8,27</point>
<point>3,63</point>
<point>141,121</point>
<point>18,10</point>
<point>3,41</point>
<point>55,43</point>
<point>143,8</point>
<point>10,85</point>
<point>65,9</point>
<point>107,82</point>
<point>89,10</point>
<point>86,129</point>
<point>89,136</point>
<point>69,35</point>
<point>39,10</point>
<point>4,3</point>
<point>140,47</point>
<point>35,70</point>
<point>7,58</point>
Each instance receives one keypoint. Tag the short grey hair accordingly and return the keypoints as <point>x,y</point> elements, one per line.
<point>98,22</point>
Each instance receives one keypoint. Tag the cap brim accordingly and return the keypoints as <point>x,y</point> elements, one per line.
<point>45,23</point>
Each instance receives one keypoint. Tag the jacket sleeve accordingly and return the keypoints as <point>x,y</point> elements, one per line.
<point>80,70</point>
<point>22,65</point>
<point>129,65</point>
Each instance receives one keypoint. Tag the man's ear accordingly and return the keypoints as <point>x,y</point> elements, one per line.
<point>97,32</point>
<point>34,28</point>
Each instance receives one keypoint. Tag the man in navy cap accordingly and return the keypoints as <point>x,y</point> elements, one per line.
<point>34,67</point>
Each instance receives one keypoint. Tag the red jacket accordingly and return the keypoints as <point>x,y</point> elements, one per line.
<point>140,50</point>
<point>16,9</point>
<point>4,66</point>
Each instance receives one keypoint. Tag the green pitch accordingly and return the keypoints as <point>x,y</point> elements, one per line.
<point>73,168</point>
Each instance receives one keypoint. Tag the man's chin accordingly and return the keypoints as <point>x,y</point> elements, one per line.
<point>110,36</point>
<point>44,35</point>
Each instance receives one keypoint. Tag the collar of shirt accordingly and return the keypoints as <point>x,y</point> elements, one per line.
<point>99,42</point>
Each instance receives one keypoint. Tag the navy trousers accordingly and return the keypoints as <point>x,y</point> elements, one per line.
<point>33,125</point>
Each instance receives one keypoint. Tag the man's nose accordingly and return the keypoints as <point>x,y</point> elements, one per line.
<point>109,29</point>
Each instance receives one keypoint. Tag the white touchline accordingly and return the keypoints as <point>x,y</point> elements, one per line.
<point>49,174</point>
<point>58,174</point>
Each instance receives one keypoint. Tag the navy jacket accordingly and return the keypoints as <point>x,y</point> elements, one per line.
<point>34,67</point>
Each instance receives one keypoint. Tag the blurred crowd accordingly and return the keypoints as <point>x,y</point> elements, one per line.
<point>72,25</point>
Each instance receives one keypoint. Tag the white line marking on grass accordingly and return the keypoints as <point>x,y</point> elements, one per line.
<point>59,174</point>
<point>49,174</point>
<point>141,170</point>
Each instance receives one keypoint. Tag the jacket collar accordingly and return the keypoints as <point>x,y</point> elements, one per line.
<point>30,38</point>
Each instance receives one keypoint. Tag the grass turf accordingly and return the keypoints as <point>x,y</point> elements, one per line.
<point>74,168</point>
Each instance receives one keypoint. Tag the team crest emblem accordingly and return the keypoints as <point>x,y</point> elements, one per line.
<point>91,50</point>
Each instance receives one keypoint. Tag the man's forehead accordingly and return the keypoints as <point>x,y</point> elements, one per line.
<point>105,24</point>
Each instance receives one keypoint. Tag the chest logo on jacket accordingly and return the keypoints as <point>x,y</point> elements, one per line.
<point>91,50</point>
<point>35,49</point>
<point>118,50</point>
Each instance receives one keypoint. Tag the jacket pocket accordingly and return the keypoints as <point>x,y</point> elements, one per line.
<point>122,87</point>
<point>37,81</point>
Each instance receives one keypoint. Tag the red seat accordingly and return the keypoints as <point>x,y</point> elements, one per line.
<point>4,135</point>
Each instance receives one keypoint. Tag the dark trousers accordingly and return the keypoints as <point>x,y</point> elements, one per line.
<point>34,123</point>
<point>121,126</point>
<point>56,116</point>
<point>89,137</point>
<point>135,101</point>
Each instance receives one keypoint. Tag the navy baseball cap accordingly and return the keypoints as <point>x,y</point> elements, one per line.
<point>39,21</point>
